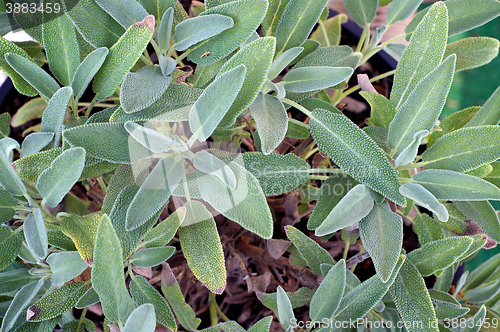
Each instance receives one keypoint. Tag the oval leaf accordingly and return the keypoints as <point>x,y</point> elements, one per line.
<point>308,79</point>
<point>87,70</point>
<point>65,266</point>
<point>36,234</point>
<point>424,198</point>
<point>152,256</point>
<point>188,33</point>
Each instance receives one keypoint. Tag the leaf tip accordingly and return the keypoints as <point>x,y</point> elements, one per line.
<point>32,312</point>
<point>148,22</point>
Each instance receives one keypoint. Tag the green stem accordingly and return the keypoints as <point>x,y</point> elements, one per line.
<point>367,38</point>
<point>325,35</point>
<point>103,105</point>
<point>102,184</point>
<point>87,114</point>
<point>214,319</point>
<point>156,48</point>
<point>171,50</point>
<point>394,39</point>
<point>82,316</point>
<point>180,58</point>
<point>221,314</point>
<point>146,61</point>
<point>346,250</point>
<point>297,106</point>
<point>361,40</point>
<point>356,87</point>
<point>413,165</point>
<point>318,177</point>
<point>326,170</point>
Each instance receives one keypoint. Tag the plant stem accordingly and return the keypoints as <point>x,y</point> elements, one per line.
<point>394,39</point>
<point>156,48</point>
<point>147,61</point>
<point>318,177</point>
<point>87,114</point>
<point>82,316</point>
<point>367,38</point>
<point>297,106</point>
<point>102,184</point>
<point>214,319</point>
<point>323,30</point>
<point>325,170</point>
<point>180,58</point>
<point>409,166</point>
<point>361,40</point>
<point>103,105</point>
<point>346,250</point>
<point>356,87</point>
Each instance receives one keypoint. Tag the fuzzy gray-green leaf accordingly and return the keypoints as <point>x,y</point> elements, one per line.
<point>362,12</point>
<point>488,114</point>
<point>381,233</point>
<point>424,198</point>
<point>483,214</point>
<point>188,33</point>
<point>9,179</point>
<point>53,116</point>
<point>165,231</point>
<point>273,16</point>
<point>36,233</point>
<point>364,161</point>
<point>125,12</point>
<point>285,311</point>
<point>152,256</point>
<point>19,82</point>
<point>327,297</point>
<point>307,79</point>
<point>142,319</point>
<point>65,266</point>
<point>400,10</point>
<point>473,52</point>
<point>382,110</point>
<point>282,61</point>
<point>410,152</point>
<point>87,69</point>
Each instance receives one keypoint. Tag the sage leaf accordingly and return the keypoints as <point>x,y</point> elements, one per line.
<point>157,7</point>
<point>424,198</point>
<point>285,311</point>
<point>142,293</point>
<point>262,325</point>
<point>57,180</point>
<point>96,26</point>
<point>187,33</point>
<point>256,57</point>
<point>61,46</point>
<point>65,266</point>
<point>381,233</point>
<point>53,116</point>
<point>306,79</point>
<point>246,15</point>
<point>142,319</point>
<point>332,28</point>
<point>410,152</point>
<point>280,63</point>
<point>148,137</point>
<point>413,300</point>
<point>82,230</point>
<point>215,101</point>
<point>33,109</point>
<point>56,302</point>
<point>34,75</point>
<point>210,164</point>
<point>9,179</point>
<point>154,192</point>
<point>382,110</point>
<point>427,228</point>
<point>362,12</point>
<point>438,255</point>
<point>422,106</point>
<point>152,256</point>
<point>464,16</point>
<point>87,70</point>
<point>122,57</point>
<point>165,29</point>
<point>446,305</point>
<point>488,114</point>
<point>165,231</point>
<point>13,280</point>
<point>364,161</point>
<point>455,186</point>
<point>485,50</point>
<point>400,10</point>
<point>125,12</point>
<point>10,244</point>
<point>483,214</point>
<point>477,320</point>
<point>36,234</point>
<point>273,16</point>
<point>327,297</point>
<point>143,88</point>
<point>107,274</point>
<point>453,122</point>
<point>7,206</point>
<point>353,207</point>
<point>271,119</point>
<point>35,142</point>
<point>202,248</point>
<point>309,249</point>
<point>422,55</point>
<point>455,152</point>
<point>297,22</point>
<point>20,302</point>
<point>19,82</point>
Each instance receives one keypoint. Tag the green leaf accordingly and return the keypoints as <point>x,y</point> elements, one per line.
<point>353,207</point>
<point>20,302</point>
<point>82,230</point>
<point>187,33</point>
<point>125,12</point>
<point>331,28</point>
<point>483,293</point>
<point>61,46</point>
<point>308,79</point>
<point>309,249</point>
<point>379,136</point>
<point>215,101</point>
<point>154,192</point>
<point>364,161</point>
<point>362,12</point>
<point>446,306</point>
<point>7,206</point>
<point>273,16</point>
<point>455,186</point>
<point>210,164</point>
<point>281,62</point>
<point>95,25</point>
<point>34,75</point>
<point>53,116</point>
<point>90,297</point>
<point>33,109</point>
<point>478,320</point>
<point>36,233</point>
<point>276,173</point>
<point>481,171</point>
<point>423,105</point>
<point>143,88</point>
<point>202,248</point>
<point>494,175</point>
<point>183,312</point>
<point>87,70</point>
<point>107,273</point>
<point>285,311</point>
<point>271,119</point>
<point>13,280</point>
<point>422,55</point>
<point>56,302</point>
<point>35,142</point>
<point>464,149</point>
<point>464,16</point>
<point>19,82</point>
<point>488,114</point>
<point>246,15</point>
<point>262,325</point>
<point>453,122</point>
<point>152,256</point>
<point>381,233</point>
<point>424,198</point>
<point>483,214</point>
<point>413,300</point>
<point>65,266</point>
<point>410,152</point>
<point>157,7</point>
<point>438,255</point>
<point>427,228</point>
<point>142,292</point>
<point>256,57</point>
<point>363,298</point>
<point>327,297</point>
<point>473,52</point>
<point>142,319</point>
<point>123,177</point>
<point>297,22</point>
<point>296,129</point>
<point>9,179</point>
<point>400,10</point>
<point>165,29</point>
<point>122,57</point>
<point>77,326</point>
<point>165,231</point>
<point>10,243</point>
<point>57,180</point>
<point>382,110</point>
